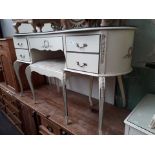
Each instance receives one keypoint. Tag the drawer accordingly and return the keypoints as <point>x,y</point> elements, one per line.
<point>23,55</point>
<point>83,43</point>
<point>44,131</point>
<point>20,43</point>
<point>13,109</point>
<point>13,117</point>
<point>6,95</point>
<point>48,127</point>
<point>83,62</point>
<point>53,43</point>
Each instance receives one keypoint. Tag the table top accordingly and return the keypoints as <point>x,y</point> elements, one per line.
<point>77,30</point>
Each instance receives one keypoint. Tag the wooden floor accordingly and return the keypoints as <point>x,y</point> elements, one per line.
<point>84,120</point>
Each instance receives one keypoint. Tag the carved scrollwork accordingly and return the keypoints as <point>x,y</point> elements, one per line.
<point>102,47</point>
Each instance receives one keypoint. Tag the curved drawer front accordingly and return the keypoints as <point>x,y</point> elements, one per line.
<point>83,62</point>
<point>23,55</point>
<point>88,43</point>
<point>53,43</point>
<point>20,43</point>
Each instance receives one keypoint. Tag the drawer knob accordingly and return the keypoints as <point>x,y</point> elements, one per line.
<point>49,129</point>
<point>83,65</point>
<point>20,44</point>
<point>81,45</point>
<point>22,56</point>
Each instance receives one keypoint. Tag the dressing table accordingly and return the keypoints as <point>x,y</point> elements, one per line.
<point>96,52</point>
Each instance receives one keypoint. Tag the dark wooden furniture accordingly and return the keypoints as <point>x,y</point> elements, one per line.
<point>1,72</point>
<point>7,58</point>
<point>47,116</point>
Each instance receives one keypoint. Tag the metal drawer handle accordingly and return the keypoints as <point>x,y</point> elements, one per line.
<point>46,44</point>
<point>83,65</point>
<point>22,56</point>
<point>50,129</point>
<point>20,44</point>
<point>81,45</point>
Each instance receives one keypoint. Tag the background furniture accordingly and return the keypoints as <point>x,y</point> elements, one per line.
<point>95,52</point>
<point>138,122</point>
<point>47,117</point>
<point>7,57</point>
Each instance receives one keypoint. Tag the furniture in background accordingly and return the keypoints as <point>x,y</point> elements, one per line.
<point>141,121</point>
<point>1,72</point>
<point>47,117</point>
<point>95,52</point>
<point>7,58</point>
<point>38,25</point>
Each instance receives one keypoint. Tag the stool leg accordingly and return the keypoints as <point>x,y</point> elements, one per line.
<point>17,65</point>
<point>28,76</point>
<point>90,91</point>
<point>101,103</point>
<point>65,97</point>
<point>57,84</point>
<point>49,80</point>
<point>121,87</point>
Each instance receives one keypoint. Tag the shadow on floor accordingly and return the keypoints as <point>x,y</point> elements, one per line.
<point>6,127</point>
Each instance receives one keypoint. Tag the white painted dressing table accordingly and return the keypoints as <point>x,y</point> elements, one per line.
<point>96,52</point>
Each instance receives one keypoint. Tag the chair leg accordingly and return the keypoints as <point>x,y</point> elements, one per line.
<point>58,86</point>
<point>28,76</point>
<point>65,98</point>
<point>49,80</point>
<point>17,65</point>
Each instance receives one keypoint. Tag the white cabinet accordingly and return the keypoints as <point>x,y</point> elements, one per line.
<point>137,123</point>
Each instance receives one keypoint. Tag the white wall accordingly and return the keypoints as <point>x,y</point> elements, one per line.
<point>78,84</point>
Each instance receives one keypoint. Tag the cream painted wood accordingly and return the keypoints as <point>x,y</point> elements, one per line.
<point>46,43</point>
<point>133,131</point>
<point>83,44</point>
<point>82,62</point>
<point>98,52</point>
<point>23,55</point>
<point>20,42</point>
<point>118,46</point>
<point>140,118</point>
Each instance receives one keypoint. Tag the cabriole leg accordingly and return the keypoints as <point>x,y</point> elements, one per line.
<point>101,103</point>
<point>17,65</point>
<point>28,76</point>
<point>65,97</point>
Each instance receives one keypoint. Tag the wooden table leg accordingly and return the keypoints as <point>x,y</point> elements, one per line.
<point>17,65</point>
<point>101,103</point>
